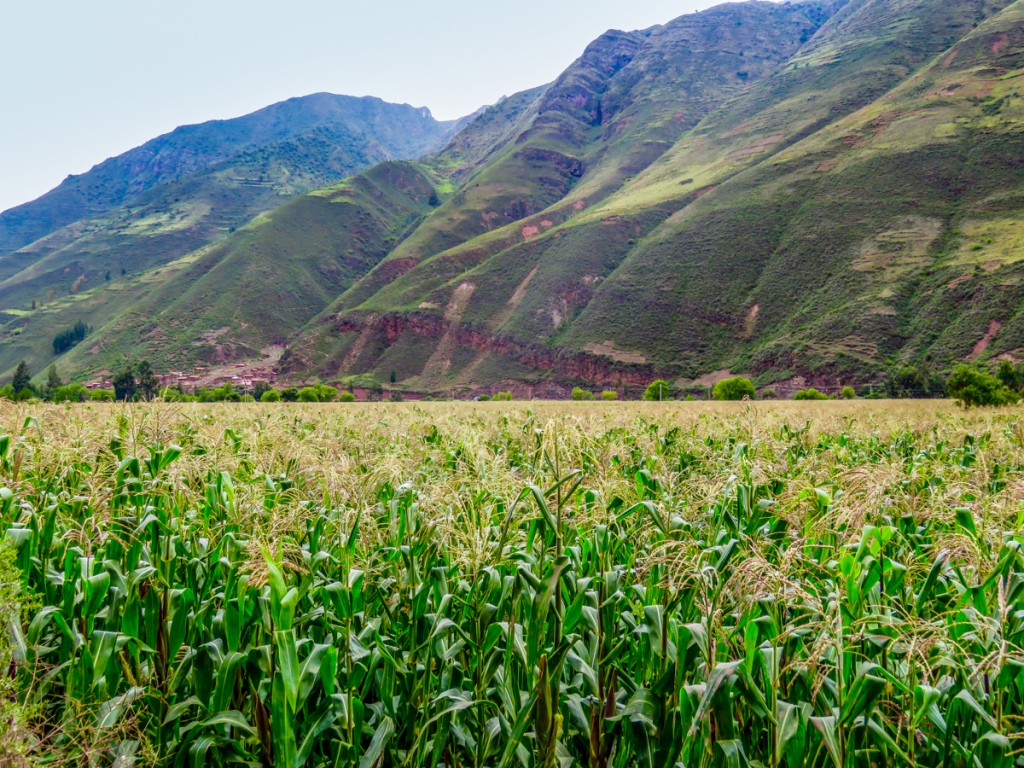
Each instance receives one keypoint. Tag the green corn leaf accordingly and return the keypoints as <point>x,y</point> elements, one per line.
<point>861,696</point>
<point>372,757</point>
<point>827,728</point>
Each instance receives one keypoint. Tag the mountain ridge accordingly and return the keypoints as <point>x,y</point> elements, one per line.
<point>805,191</point>
<point>179,152</point>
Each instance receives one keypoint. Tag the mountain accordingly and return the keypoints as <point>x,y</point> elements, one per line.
<point>285,146</point>
<point>814,190</point>
<point>181,192</point>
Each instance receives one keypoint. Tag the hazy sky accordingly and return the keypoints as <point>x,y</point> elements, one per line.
<point>83,81</point>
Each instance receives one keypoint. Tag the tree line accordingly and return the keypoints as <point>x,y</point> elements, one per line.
<point>970,385</point>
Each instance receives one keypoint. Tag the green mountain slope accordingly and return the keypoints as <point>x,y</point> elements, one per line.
<point>626,101</point>
<point>816,224</point>
<point>810,190</point>
<point>259,285</point>
<point>174,196</point>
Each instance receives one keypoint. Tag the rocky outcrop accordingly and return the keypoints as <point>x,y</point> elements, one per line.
<point>564,364</point>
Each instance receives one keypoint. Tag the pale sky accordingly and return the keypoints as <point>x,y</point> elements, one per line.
<point>83,80</point>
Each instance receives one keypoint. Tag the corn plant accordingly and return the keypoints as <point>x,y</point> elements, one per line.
<point>500,588</point>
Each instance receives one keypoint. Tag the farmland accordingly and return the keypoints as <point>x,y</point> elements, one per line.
<point>803,585</point>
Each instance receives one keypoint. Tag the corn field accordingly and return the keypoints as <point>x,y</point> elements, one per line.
<point>794,585</point>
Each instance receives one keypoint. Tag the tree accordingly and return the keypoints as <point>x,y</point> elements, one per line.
<point>102,396</point>
<point>971,387</point>
<point>848,393</point>
<point>609,394</point>
<point>65,340</point>
<point>22,378</point>
<point>53,381</point>
<point>308,395</point>
<point>290,394</point>
<point>347,397</point>
<point>913,381</point>
<point>270,396</point>
<point>146,381</point>
<point>582,394</point>
<point>325,394</point>
<point>658,390</point>
<point>124,384</point>
<point>734,389</point>
<point>394,377</point>
<point>1011,375</point>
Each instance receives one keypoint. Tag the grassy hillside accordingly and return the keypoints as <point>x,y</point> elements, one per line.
<point>818,190</point>
<point>179,201</point>
<point>852,207</point>
<point>264,282</point>
<point>819,257</point>
<point>625,102</point>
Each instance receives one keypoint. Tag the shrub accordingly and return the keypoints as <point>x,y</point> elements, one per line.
<point>768,394</point>
<point>848,393</point>
<point>270,396</point>
<point>290,395</point>
<point>734,389</point>
<point>483,398</point>
<point>325,394</point>
<point>578,393</point>
<point>248,399</point>
<point>609,394</point>
<point>810,394</point>
<point>502,396</point>
<point>308,395</point>
<point>347,397</point>
<point>70,393</point>
<point>658,390</point>
<point>971,387</point>
<point>102,395</point>
<point>7,392</point>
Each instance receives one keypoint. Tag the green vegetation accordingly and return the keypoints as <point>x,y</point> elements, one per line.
<point>736,388</point>
<point>346,397</point>
<point>65,340</point>
<point>609,394</point>
<point>582,394</point>
<point>175,196</point>
<point>810,394</point>
<point>847,393</point>
<point>1011,375</point>
<point>915,381</point>
<point>852,125</point>
<point>971,387</point>
<point>413,585</point>
<point>658,391</point>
